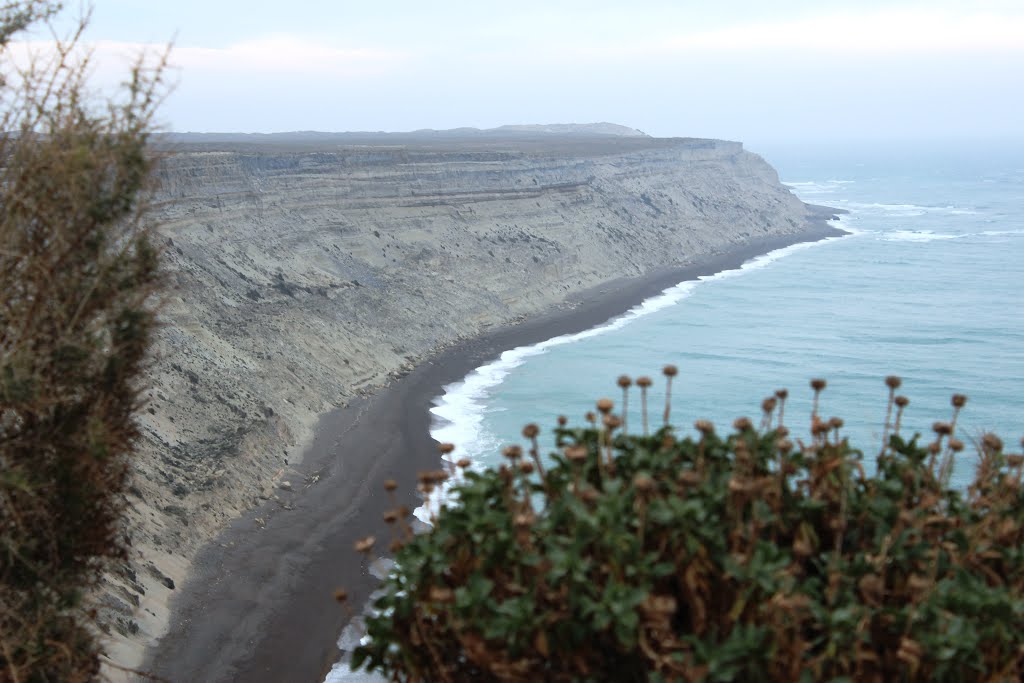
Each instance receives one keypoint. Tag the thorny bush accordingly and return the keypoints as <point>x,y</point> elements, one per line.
<point>77,280</point>
<point>740,557</point>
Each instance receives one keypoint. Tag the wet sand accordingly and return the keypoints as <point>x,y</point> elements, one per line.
<point>258,606</point>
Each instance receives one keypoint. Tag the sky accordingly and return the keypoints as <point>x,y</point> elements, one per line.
<point>751,70</point>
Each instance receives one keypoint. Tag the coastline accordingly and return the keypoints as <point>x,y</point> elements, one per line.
<point>258,603</point>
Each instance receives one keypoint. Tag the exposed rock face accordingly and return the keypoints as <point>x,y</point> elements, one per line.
<point>303,276</point>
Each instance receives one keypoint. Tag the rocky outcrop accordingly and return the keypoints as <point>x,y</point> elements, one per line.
<point>302,275</point>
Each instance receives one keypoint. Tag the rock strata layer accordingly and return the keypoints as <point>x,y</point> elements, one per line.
<point>304,275</point>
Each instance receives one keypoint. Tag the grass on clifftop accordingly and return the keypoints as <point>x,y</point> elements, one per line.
<point>749,556</point>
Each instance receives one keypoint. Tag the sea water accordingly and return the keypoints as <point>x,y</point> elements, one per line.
<point>927,286</point>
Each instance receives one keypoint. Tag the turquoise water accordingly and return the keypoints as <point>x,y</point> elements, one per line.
<point>927,287</point>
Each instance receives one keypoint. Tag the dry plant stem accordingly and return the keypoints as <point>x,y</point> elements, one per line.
<point>643,408</point>
<point>625,410</point>
<point>668,398</point>
<point>888,417</point>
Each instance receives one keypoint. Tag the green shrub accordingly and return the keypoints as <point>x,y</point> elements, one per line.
<point>745,557</point>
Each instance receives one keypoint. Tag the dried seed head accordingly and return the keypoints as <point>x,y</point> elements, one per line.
<point>956,445</point>
<point>576,453</point>
<point>768,405</point>
<point>784,445</point>
<point>942,428</point>
<point>464,463</point>
<point>445,448</point>
<point>901,401</point>
<point>1015,460</point>
<point>341,595</point>
<point>893,382</point>
<point>512,452</point>
<point>562,420</point>
<point>782,431</point>
<point>742,424</point>
<point>704,427</point>
<point>531,430</point>
<point>644,483</point>
<point>643,381</point>
<point>624,381</point>
<point>959,400</point>
<point>524,519</point>
<point>441,594</point>
<point>590,417</point>
<point>612,422</point>
<point>391,516</point>
<point>836,423</point>
<point>820,427</point>
<point>818,384</point>
<point>670,371</point>
<point>403,511</point>
<point>991,442</point>
<point>605,405</point>
<point>934,448</point>
<point>390,485</point>
<point>365,545</point>
<point>526,467</point>
<point>782,394</point>
<point>396,545</point>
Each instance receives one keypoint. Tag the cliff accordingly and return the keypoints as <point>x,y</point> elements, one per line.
<point>304,273</point>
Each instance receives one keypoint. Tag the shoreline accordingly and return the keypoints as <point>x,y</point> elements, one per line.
<point>258,604</point>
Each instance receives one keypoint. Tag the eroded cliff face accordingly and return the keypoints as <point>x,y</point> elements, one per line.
<point>303,277</point>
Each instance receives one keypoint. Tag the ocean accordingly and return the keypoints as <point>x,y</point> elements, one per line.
<point>927,286</point>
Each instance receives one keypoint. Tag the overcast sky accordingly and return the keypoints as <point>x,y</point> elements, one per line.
<point>753,70</point>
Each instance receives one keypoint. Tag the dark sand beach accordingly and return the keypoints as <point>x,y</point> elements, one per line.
<point>258,606</point>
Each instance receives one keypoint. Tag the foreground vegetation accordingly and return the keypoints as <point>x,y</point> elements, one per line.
<point>77,277</point>
<point>752,556</point>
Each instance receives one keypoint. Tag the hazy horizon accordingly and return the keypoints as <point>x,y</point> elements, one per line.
<point>761,72</point>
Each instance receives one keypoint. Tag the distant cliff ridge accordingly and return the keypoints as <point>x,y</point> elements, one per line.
<point>305,271</point>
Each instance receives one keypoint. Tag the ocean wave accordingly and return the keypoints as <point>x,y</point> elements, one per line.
<point>817,187</point>
<point>916,236</point>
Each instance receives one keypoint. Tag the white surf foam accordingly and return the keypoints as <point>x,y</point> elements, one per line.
<point>916,236</point>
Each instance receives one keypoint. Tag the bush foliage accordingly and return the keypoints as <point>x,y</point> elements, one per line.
<point>739,557</point>
<point>77,277</point>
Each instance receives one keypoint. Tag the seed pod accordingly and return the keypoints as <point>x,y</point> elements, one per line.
<point>991,442</point>
<point>956,445</point>
<point>836,423</point>
<point>670,371</point>
<point>562,420</point>
<point>526,467</point>
<point>782,394</point>
<point>942,428</point>
<point>605,405</point>
<point>704,427</point>
<point>612,422</point>
<point>512,452</point>
<point>365,545</point>
<point>782,431</point>
<point>463,463</point>
<point>341,595</point>
<point>901,401</point>
<point>391,516</point>
<point>624,381</point>
<point>818,384</point>
<point>742,424</point>
<point>576,453</point>
<point>643,381</point>
<point>445,448</point>
<point>768,405</point>
<point>390,485</point>
<point>531,430</point>
<point>959,400</point>
<point>893,382</point>
<point>644,483</point>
